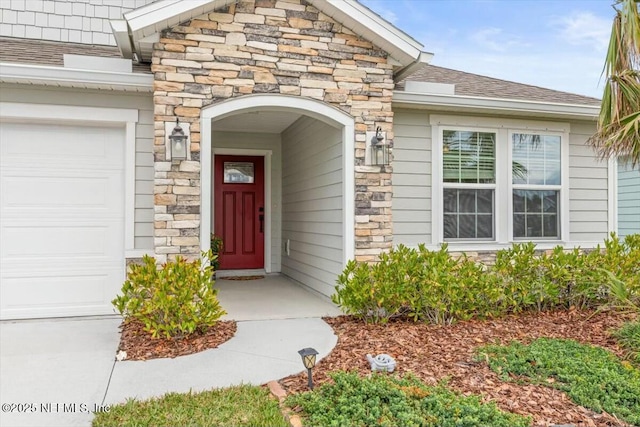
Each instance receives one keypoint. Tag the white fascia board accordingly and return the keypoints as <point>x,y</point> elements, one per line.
<point>120,31</point>
<point>424,58</point>
<point>513,106</point>
<point>69,77</point>
<point>160,15</point>
<point>363,21</point>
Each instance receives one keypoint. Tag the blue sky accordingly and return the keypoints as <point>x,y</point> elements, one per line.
<point>559,44</point>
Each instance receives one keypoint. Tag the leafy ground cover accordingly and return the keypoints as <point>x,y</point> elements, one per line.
<point>235,406</point>
<point>434,353</point>
<point>390,400</point>
<point>592,376</point>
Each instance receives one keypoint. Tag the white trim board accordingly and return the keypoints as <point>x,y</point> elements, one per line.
<point>14,111</point>
<point>310,107</point>
<point>70,77</point>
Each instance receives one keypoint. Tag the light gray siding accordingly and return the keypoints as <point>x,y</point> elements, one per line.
<point>261,141</point>
<point>588,188</point>
<point>143,102</point>
<point>312,203</point>
<point>628,200</point>
<point>411,178</point>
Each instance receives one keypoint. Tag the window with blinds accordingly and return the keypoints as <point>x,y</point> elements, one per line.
<point>469,177</point>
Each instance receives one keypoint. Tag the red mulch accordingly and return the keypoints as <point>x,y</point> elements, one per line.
<point>139,345</point>
<point>433,353</point>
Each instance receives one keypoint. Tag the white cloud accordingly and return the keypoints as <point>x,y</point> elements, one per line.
<point>585,28</point>
<point>494,39</point>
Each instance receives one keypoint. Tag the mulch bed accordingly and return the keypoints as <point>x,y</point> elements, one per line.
<point>139,345</point>
<point>434,353</point>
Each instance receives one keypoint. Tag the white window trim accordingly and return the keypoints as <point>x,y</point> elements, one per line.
<point>503,210</point>
<point>466,186</point>
<point>79,115</point>
<point>563,188</point>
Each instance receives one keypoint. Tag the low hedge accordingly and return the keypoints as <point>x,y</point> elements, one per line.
<point>436,287</point>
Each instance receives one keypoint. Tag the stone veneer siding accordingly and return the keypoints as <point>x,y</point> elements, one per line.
<point>267,46</point>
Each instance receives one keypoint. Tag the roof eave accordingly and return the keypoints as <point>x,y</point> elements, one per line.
<point>75,78</point>
<point>363,21</point>
<point>474,104</point>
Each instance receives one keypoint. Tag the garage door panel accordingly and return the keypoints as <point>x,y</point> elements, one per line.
<point>61,219</point>
<point>75,294</point>
<point>59,241</point>
<point>22,192</point>
<point>64,145</point>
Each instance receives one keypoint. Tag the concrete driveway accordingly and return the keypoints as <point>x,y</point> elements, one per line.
<point>57,372</point>
<point>54,372</point>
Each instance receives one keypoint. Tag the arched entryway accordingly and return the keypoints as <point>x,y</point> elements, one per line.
<point>306,149</point>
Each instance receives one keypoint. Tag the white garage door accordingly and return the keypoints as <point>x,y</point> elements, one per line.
<point>61,219</point>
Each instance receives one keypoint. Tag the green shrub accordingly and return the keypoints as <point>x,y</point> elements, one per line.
<point>174,300</point>
<point>447,289</point>
<point>521,272</point>
<point>629,338</point>
<point>433,286</point>
<point>384,400</point>
<point>377,292</point>
<point>591,376</point>
<point>422,284</point>
<point>216,249</point>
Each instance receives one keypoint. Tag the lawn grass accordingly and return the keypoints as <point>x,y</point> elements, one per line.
<point>629,338</point>
<point>243,405</point>
<point>591,376</point>
<point>391,400</point>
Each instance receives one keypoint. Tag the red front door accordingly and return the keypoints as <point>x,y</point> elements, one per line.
<point>239,211</point>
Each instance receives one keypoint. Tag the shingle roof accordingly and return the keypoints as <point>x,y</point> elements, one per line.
<point>41,52</point>
<point>488,87</point>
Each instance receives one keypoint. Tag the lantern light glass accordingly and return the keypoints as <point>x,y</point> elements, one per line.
<point>379,149</point>
<point>178,141</point>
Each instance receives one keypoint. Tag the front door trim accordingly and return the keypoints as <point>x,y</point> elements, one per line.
<point>267,193</point>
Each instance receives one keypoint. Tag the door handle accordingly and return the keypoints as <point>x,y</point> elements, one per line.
<point>261,217</point>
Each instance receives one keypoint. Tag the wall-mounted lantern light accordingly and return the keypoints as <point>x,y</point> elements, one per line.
<point>379,149</point>
<point>309,360</point>
<point>178,142</point>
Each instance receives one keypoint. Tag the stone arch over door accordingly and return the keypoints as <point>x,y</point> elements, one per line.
<point>314,109</point>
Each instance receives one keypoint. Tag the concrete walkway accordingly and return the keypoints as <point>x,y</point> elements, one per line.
<point>56,372</point>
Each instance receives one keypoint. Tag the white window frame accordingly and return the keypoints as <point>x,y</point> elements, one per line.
<point>466,186</point>
<point>562,188</point>
<point>504,128</point>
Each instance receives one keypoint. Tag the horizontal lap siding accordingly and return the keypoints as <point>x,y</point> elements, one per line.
<point>261,141</point>
<point>312,203</point>
<point>143,102</point>
<point>628,200</point>
<point>411,178</point>
<point>588,188</point>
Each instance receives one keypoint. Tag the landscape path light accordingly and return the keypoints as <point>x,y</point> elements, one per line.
<point>309,360</point>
